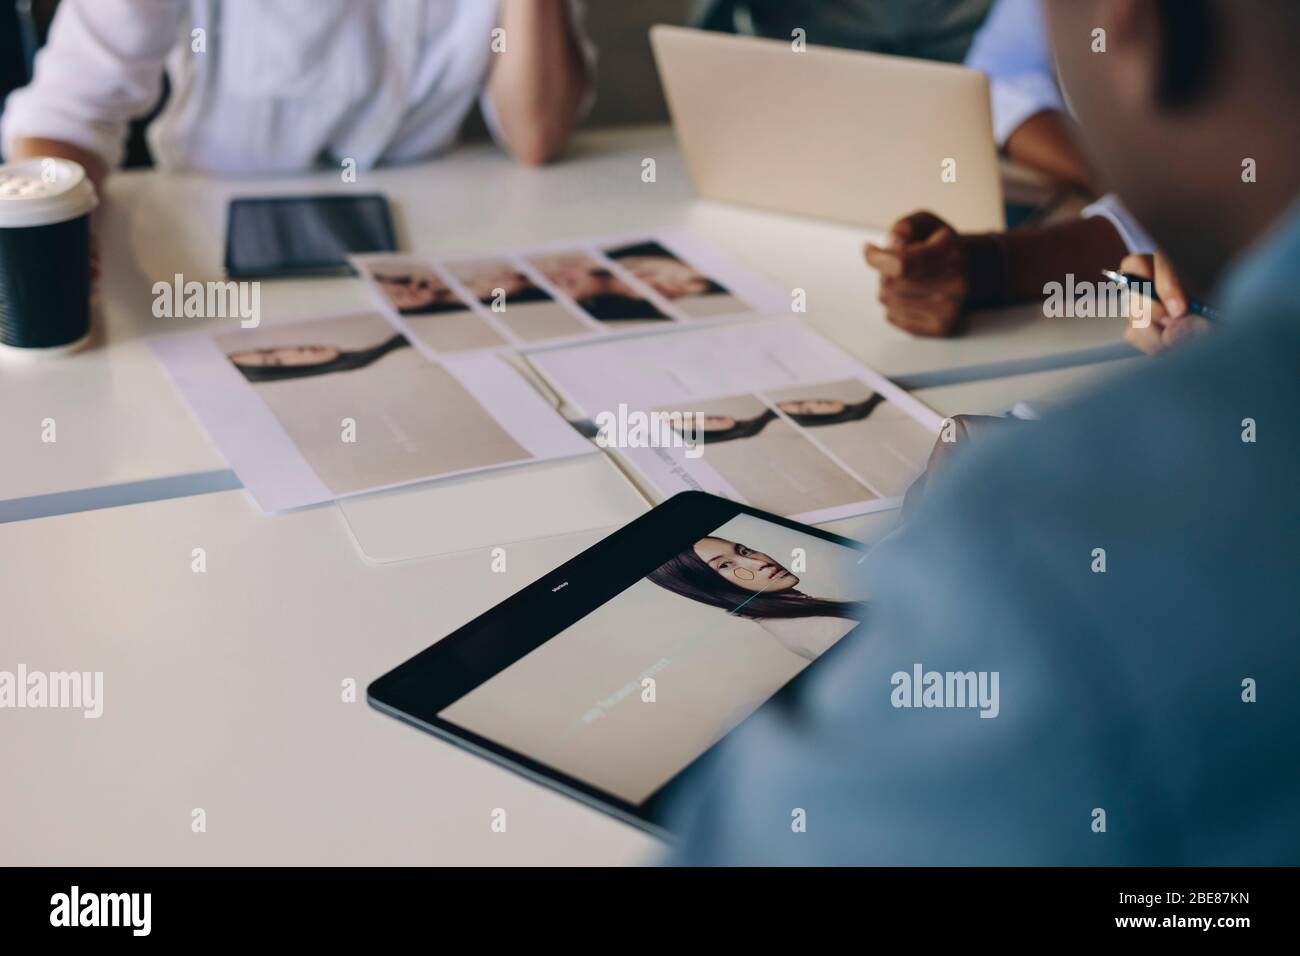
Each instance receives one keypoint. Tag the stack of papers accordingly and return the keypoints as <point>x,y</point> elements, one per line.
<point>664,348</point>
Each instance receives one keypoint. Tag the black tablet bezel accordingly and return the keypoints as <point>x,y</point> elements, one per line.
<point>318,269</point>
<point>417,690</point>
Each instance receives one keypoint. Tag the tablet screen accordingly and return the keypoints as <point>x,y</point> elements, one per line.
<point>634,691</point>
<point>304,235</point>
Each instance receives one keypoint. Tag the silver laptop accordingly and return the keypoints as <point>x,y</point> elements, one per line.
<point>834,134</point>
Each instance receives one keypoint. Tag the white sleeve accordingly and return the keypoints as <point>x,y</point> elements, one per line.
<point>1110,207</point>
<point>101,67</point>
<point>587,49</point>
<point>1013,50</point>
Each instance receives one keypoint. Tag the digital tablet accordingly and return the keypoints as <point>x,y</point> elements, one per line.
<point>615,674</point>
<point>278,236</point>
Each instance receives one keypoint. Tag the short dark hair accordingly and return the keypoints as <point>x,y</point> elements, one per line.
<point>1192,33</point>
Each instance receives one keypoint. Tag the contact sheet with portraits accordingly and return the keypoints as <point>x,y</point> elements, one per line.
<point>660,329</point>
<point>767,413</point>
<point>564,292</point>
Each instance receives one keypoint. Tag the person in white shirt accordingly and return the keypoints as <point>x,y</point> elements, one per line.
<point>276,86</point>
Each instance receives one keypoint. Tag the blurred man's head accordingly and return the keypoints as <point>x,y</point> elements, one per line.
<point>1183,93</point>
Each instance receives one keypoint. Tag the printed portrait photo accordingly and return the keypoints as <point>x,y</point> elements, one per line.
<point>769,463</point>
<point>435,315</point>
<point>878,441</point>
<point>515,300</point>
<point>413,418</point>
<point>597,291</point>
<point>690,290</point>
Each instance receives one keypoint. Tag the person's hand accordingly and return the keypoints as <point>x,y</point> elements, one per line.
<point>1155,326</point>
<point>957,431</point>
<point>928,275</point>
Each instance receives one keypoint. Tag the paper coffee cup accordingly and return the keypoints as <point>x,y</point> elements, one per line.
<point>45,207</point>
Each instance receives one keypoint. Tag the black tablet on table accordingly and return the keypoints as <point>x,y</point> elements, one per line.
<point>611,677</point>
<point>282,236</point>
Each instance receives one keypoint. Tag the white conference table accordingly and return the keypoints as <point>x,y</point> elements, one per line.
<point>119,419</point>
<point>223,689</point>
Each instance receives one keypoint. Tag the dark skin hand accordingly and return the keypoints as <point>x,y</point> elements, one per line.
<point>926,275</point>
<point>1166,325</point>
<point>932,277</point>
<point>1170,321</point>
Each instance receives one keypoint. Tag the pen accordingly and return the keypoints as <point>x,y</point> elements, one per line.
<point>1148,288</point>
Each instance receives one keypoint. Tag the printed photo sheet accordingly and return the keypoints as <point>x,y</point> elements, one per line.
<point>768,413</point>
<point>323,409</point>
<point>566,292</point>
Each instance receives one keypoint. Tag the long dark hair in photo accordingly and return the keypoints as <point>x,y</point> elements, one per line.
<point>852,412</point>
<point>520,296</point>
<point>616,307</point>
<point>687,575</point>
<point>642,250</point>
<point>744,428</point>
<point>435,308</point>
<point>430,308</point>
<point>653,250</point>
<point>343,362</point>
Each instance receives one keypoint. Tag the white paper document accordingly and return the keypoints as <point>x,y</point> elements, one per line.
<point>626,329</point>
<point>323,409</point>
<point>767,413</point>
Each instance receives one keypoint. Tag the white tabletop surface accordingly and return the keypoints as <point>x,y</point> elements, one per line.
<point>223,689</point>
<point>119,420</point>
<point>222,692</point>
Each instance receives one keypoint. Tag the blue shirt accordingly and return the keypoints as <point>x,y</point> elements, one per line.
<point>1012,47</point>
<point>930,29</point>
<point>1121,691</point>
